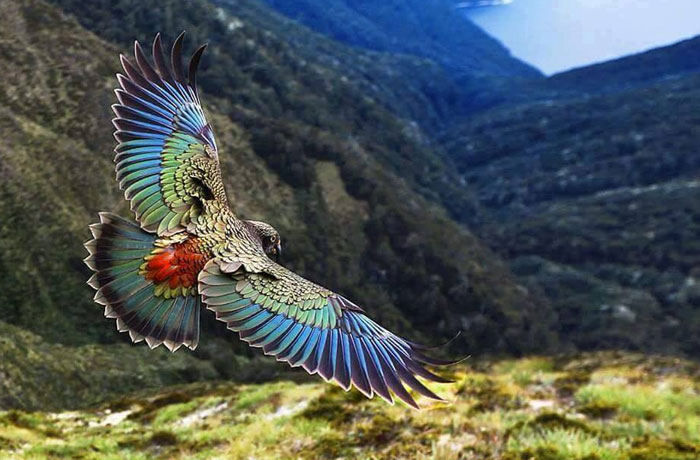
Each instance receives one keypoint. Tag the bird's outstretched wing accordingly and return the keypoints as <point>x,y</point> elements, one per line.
<point>307,325</point>
<point>166,146</point>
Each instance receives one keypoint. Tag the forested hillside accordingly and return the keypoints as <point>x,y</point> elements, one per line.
<point>435,30</point>
<point>593,197</point>
<point>656,65</point>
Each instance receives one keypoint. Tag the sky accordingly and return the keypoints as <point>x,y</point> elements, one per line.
<point>556,35</point>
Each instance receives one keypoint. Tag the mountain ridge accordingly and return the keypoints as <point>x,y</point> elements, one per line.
<point>655,65</point>
<point>433,30</point>
<point>594,187</point>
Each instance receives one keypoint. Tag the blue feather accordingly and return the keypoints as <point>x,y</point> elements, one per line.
<point>288,338</point>
<point>174,93</point>
<point>334,346</point>
<point>142,134</point>
<point>310,345</point>
<point>322,344</point>
<point>359,354</point>
<point>170,97</point>
<point>133,111</point>
<point>369,346</point>
<point>148,125</point>
<point>240,315</point>
<point>137,154</point>
<point>187,125</point>
<point>298,345</point>
<point>122,147</point>
<point>256,320</point>
<point>346,349</point>
<point>279,331</point>
<point>165,103</point>
<point>266,329</point>
<point>164,111</point>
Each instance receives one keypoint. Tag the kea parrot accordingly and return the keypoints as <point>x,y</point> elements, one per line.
<point>187,249</point>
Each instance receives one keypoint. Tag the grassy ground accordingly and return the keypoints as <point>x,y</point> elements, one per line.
<point>607,406</point>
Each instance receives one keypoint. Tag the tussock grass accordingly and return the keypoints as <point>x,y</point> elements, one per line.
<point>625,409</point>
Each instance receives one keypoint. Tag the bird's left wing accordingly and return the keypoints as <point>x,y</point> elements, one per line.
<point>307,325</point>
<point>166,146</point>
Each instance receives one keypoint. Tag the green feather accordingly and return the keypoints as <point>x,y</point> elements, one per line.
<point>154,216</point>
<point>216,291</point>
<point>248,290</point>
<point>147,203</point>
<point>233,304</point>
<point>275,307</point>
<point>145,193</point>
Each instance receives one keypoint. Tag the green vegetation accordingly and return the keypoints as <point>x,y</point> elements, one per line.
<point>629,72</point>
<point>40,375</point>
<point>434,30</point>
<point>493,413</point>
<point>593,198</point>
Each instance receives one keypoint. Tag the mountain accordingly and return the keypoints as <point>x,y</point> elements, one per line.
<point>454,68</point>
<point>435,30</point>
<point>593,197</point>
<point>656,65</point>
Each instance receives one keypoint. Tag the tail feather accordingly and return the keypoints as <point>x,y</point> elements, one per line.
<point>116,254</point>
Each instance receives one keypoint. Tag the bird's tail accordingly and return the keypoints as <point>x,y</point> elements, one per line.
<point>120,254</point>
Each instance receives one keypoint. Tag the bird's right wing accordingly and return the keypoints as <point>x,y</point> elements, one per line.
<point>166,146</point>
<point>307,325</point>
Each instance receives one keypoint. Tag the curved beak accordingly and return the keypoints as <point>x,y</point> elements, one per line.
<point>278,251</point>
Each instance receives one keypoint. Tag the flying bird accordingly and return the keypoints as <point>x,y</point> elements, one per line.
<point>188,249</point>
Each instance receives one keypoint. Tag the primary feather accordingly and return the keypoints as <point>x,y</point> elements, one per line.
<point>189,248</point>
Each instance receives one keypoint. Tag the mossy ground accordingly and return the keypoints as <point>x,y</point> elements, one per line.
<point>630,407</point>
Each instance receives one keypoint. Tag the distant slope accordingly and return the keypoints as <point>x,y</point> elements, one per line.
<point>636,71</point>
<point>655,65</point>
<point>431,29</point>
<point>300,147</point>
<point>429,47</point>
<point>593,195</point>
<point>40,375</point>
<point>576,147</point>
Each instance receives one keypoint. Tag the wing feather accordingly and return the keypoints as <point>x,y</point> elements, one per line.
<point>163,138</point>
<point>306,325</point>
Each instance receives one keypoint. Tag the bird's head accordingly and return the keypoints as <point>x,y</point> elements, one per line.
<point>269,237</point>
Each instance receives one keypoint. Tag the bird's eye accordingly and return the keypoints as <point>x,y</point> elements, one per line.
<point>273,239</point>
